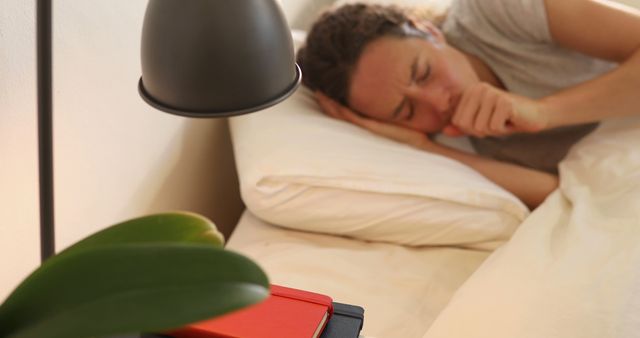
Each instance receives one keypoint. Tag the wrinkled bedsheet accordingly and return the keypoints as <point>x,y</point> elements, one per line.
<point>572,269</point>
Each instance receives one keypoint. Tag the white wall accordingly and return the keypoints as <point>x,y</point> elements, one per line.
<point>300,13</point>
<point>115,157</point>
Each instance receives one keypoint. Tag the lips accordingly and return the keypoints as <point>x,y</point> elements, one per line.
<point>447,114</point>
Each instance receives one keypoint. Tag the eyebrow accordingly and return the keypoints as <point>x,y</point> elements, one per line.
<point>400,106</point>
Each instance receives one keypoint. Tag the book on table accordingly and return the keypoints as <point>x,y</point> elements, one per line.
<point>286,313</point>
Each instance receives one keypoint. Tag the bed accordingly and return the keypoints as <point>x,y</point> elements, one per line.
<point>402,289</point>
<point>571,269</point>
<point>444,255</point>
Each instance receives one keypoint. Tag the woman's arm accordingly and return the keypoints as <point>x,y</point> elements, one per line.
<point>601,29</point>
<point>604,30</point>
<point>529,185</point>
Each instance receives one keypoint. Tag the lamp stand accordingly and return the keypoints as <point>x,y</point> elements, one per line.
<point>45,130</point>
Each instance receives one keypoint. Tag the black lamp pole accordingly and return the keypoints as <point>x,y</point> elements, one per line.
<point>200,58</point>
<point>45,130</point>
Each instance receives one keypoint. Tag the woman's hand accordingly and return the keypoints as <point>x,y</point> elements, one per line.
<point>392,131</point>
<point>485,110</point>
<point>529,185</point>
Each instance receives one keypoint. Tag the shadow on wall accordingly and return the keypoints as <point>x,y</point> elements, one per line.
<point>202,176</point>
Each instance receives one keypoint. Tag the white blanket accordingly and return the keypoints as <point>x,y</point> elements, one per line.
<point>573,267</point>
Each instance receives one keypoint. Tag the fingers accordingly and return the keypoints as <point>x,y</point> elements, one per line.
<point>338,111</point>
<point>500,118</point>
<point>483,111</point>
<point>466,110</point>
<point>327,105</point>
<point>484,115</point>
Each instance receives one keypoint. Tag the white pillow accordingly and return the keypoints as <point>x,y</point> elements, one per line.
<point>301,169</point>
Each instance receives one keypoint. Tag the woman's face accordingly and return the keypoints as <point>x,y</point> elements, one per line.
<point>410,81</point>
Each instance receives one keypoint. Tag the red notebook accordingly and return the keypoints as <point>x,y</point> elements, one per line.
<point>287,313</point>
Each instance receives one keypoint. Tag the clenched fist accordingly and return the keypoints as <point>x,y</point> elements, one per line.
<point>485,110</point>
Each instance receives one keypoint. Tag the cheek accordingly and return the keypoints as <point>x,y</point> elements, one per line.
<point>450,76</point>
<point>450,81</point>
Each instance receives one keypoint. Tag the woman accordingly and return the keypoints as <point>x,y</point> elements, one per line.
<point>524,78</point>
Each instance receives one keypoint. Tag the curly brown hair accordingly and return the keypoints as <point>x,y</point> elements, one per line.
<point>339,36</point>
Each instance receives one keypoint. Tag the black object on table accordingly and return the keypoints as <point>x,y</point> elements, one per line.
<point>346,321</point>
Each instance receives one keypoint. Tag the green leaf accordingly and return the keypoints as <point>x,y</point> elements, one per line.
<point>124,288</point>
<point>160,228</point>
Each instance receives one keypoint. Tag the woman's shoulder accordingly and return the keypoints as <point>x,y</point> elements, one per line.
<point>520,20</point>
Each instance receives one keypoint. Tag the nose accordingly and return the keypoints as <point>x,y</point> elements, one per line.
<point>436,98</point>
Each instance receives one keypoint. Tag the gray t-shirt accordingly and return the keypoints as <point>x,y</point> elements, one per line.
<point>512,37</point>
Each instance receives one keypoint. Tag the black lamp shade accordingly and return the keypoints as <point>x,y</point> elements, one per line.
<point>210,58</point>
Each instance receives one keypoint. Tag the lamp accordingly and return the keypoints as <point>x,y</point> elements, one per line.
<point>212,58</point>
<point>200,58</point>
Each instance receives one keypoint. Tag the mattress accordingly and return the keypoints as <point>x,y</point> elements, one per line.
<point>402,289</point>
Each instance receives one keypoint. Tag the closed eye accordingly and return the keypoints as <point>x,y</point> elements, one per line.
<point>421,79</point>
<point>426,74</point>
<point>410,115</point>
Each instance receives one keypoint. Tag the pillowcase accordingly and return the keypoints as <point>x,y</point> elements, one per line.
<point>301,169</point>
